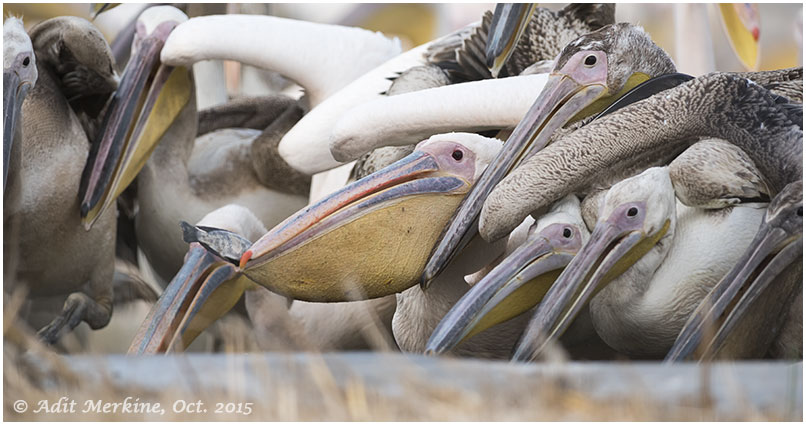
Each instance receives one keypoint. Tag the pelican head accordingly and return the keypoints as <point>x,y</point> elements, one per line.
<point>635,216</point>
<point>206,287</point>
<point>367,240</point>
<point>590,73</point>
<point>19,76</point>
<point>520,281</point>
<point>777,244</point>
<point>371,238</point>
<point>150,97</point>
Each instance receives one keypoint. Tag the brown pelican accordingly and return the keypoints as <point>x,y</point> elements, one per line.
<point>185,177</point>
<point>744,305</point>
<point>367,240</point>
<point>649,262</point>
<point>513,287</point>
<point>54,255</point>
<point>278,325</point>
<point>735,109</point>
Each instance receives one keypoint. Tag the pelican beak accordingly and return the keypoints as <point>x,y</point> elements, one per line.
<point>339,249</point>
<point>772,251</point>
<point>742,22</point>
<point>513,287</point>
<point>506,28</point>
<point>148,100</point>
<point>614,246</point>
<point>561,99</point>
<point>204,289</point>
<point>14,91</point>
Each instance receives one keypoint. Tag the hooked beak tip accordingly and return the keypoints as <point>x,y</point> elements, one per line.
<point>245,258</point>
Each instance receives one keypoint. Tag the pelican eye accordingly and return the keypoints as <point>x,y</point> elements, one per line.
<point>632,212</point>
<point>590,60</point>
<point>26,61</point>
<point>458,155</point>
<point>567,233</point>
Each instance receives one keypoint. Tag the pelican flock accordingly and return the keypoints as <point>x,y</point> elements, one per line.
<point>539,179</point>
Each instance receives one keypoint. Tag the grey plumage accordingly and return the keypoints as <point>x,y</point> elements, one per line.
<point>715,105</point>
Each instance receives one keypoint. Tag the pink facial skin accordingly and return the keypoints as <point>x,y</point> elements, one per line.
<point>586,67</point>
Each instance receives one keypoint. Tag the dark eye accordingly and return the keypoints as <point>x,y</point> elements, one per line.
<point>458,155</point>
<point>26,61</point>
<point>632,212</point>
<point>590,60</point>
<point>800,211</point>
<point>567,233</point>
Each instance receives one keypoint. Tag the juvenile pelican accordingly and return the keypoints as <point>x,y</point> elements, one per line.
<point>19,76</point>
<point>649,262</point>
<point>184,178</point>
<point>278,325</point>
<point>513,287</point>
<point>368,240</point>
<point>589,74</point>
<point>54,255</point>
<point>752,320</point>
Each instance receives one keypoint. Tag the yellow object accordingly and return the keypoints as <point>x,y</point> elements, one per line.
<point>606,100</point>
<point>379,253</point>
<point>741,22</point>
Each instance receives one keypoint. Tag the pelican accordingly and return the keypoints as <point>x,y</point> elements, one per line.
<point>589,74</point>
<point>752,322</point>
<point>725,106</point>
<point>19,76</point>
<point>368,240</point>
<point>54,255</point>
<point>513,287</point>
<point>649,262</point>
<point>179,176</point>
<point>300,325</point>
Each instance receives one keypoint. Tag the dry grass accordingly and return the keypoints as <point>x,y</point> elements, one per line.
<point>314,387</point>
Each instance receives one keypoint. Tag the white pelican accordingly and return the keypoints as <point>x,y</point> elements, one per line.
<point>278,325</point>
<point>649,262</point>
<point>368,240</point>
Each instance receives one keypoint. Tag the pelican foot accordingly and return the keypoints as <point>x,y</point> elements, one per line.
<point>77,308</point>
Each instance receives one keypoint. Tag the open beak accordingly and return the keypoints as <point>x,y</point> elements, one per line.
<point>772,251</point>
<point>742,22</point>
<point>612,249</point>
<point>204,289</point>
<point>513,287</point>
<point>561,99</point>
<point>506,28</point>
<point>148,100</point>
<point>339,248</point>
<point>14,92</point>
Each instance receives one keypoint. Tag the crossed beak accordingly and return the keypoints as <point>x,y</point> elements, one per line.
<point>339,249</point>
<point>508,23</point>
<point>561,99</point>
<point>611,250</point>
<point>14,91</point>
<point>204,289</point>
<point>513,287</point>
<point>772,251</point>
<point>148,100</point>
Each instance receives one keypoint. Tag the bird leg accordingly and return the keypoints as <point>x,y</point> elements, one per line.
<point>77,308</point>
